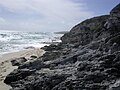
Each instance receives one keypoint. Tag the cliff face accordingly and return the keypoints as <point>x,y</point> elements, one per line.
<point>87,59</point>
<point>86,31</point>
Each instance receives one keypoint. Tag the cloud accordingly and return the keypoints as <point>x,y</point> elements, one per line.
<point>44,15</point>
<point>2,20</point>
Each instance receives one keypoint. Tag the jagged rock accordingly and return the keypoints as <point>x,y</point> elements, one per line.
<point>113,23</point>
<point>18,61</point>
<point>18,75</point>
<point>52,47</point>
<point>51,55</point>
<point>78,35</point>
<point>115,11</point>
<point>36,64</point>
<point>33,57</point>
<point>84,32</point>
<point>115,86</point>
<point>87,59</point>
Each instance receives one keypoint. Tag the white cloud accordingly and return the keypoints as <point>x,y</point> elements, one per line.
<point>2,21</point>
<point>51,14</point>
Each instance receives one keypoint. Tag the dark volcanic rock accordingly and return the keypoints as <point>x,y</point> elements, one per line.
<point>52,47</point>
<point>18,75</point>
<point>33,57</point>
<point>116,11</point>
<point>18,61</point>
<point>86,31</point>
<point>87,59</point>
<point>36,64</point>
<point>78,35</point>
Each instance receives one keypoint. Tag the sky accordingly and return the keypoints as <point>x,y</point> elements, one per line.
<point>50,15</point>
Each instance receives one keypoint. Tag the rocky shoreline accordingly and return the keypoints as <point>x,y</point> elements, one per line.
<point>16,58</point>
<point>88,58</point>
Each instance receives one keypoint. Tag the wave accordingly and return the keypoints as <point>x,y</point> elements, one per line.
<point>13,41</point>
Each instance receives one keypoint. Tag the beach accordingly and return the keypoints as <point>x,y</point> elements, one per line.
<point>6,66</point>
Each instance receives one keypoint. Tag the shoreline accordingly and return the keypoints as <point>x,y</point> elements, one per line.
<point>6,65</point>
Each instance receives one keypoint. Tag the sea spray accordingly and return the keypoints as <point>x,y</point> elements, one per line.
<point>15,41</point>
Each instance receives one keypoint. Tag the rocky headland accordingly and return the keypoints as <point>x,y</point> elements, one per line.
<point>88,58</point>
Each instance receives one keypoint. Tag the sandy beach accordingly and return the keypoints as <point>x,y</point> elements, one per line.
<point>6,66</point>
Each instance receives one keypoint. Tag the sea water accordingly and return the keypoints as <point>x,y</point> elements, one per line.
<point>15,41</point>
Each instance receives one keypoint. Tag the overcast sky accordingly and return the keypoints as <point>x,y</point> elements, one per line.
<point>49,15</point>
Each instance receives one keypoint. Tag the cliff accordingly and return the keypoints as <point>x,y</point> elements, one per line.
<point>87,59</point>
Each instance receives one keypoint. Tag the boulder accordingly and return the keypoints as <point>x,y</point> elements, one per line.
<point>18,61</point>
<point>18,75</point>
<point>88,58</point>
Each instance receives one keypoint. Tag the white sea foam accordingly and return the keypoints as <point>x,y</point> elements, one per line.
<point>15,41</point>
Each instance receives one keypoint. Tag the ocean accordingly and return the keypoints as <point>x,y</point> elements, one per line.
<point>16,41</point>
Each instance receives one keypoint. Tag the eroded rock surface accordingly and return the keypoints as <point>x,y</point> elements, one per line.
<point>87,59</point>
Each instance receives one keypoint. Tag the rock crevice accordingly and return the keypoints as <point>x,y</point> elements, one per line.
<point>87,59</point>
